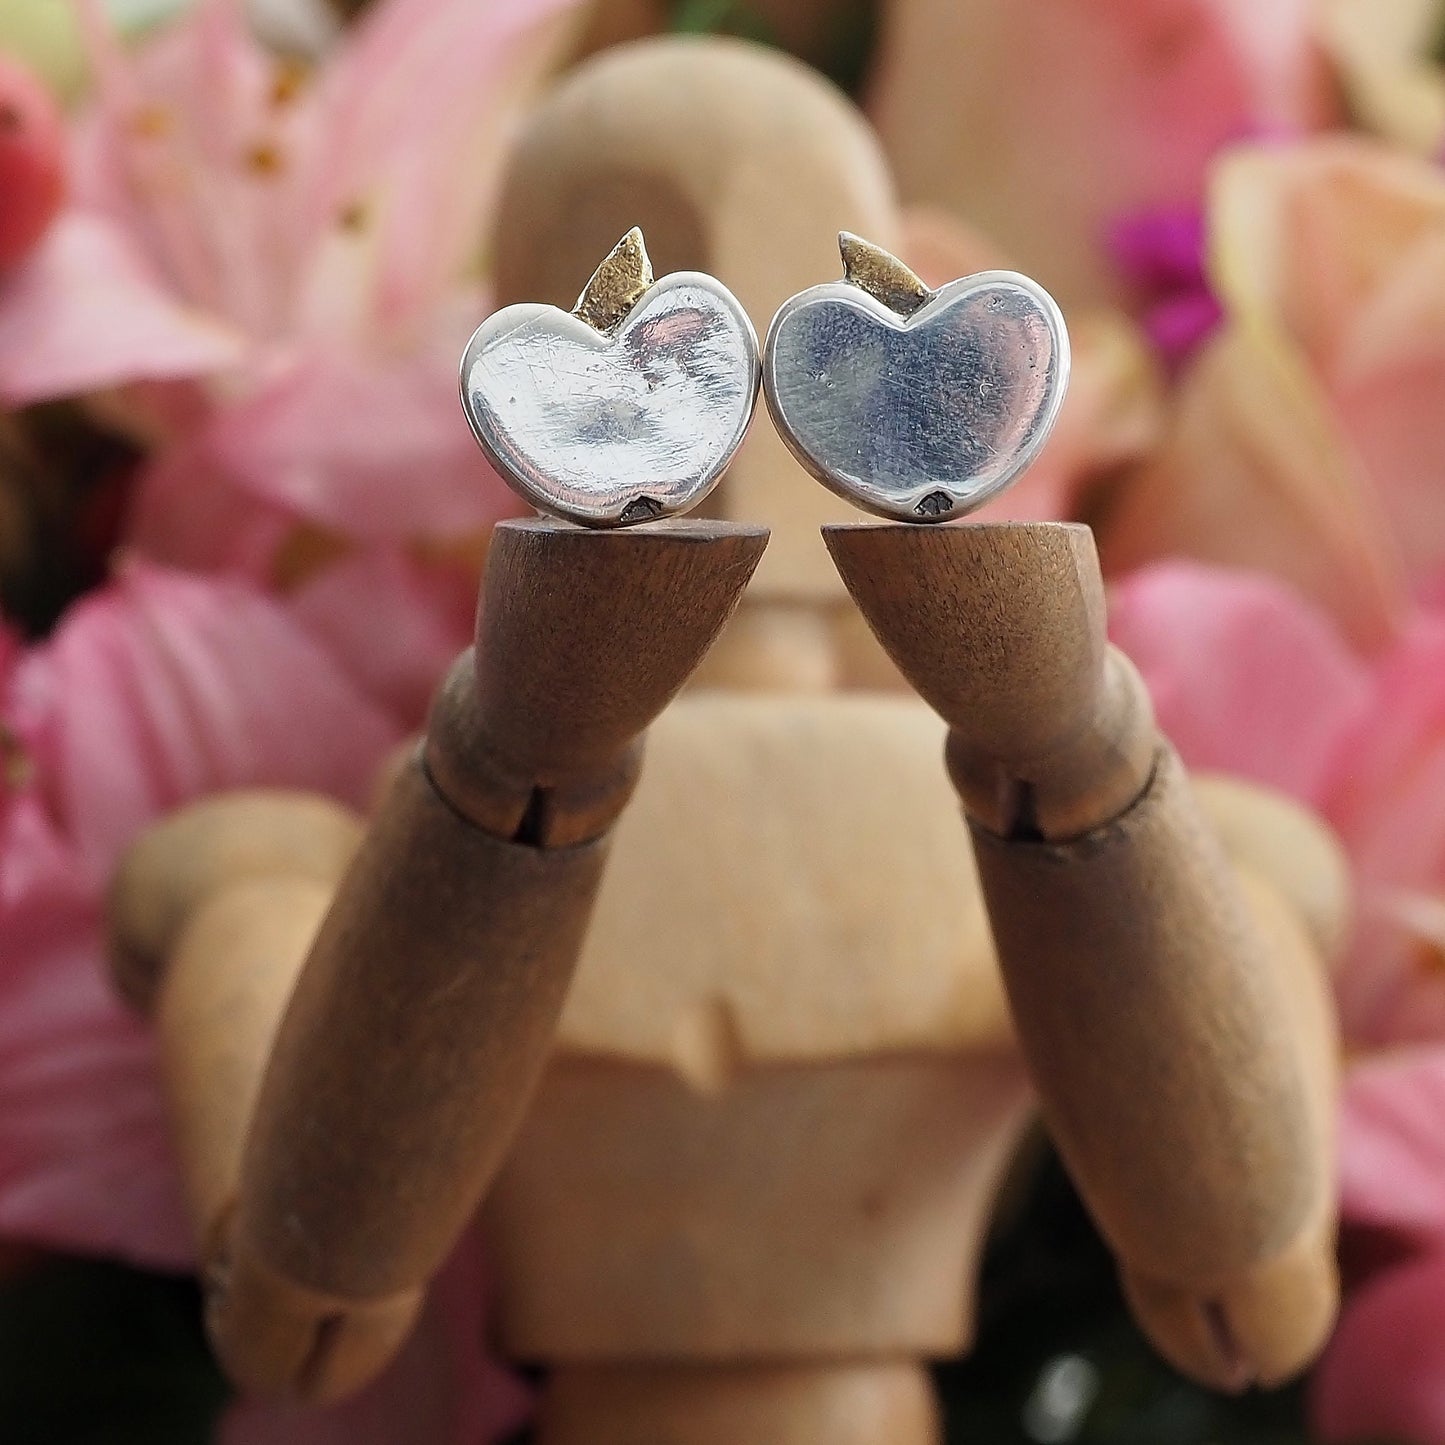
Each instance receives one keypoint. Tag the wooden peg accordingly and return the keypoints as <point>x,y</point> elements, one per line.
<point>736,161</point>
<point>1156,1014</point>
<point>426,1006</point>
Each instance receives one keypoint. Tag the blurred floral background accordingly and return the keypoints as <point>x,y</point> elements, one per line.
<point>240,529</point>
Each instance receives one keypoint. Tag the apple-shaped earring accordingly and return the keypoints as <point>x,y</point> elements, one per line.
<point>625,409</point>
<point>916,404</point>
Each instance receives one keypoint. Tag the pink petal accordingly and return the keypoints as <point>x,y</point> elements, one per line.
<point>1331,255</point>
<point>428,610</point>
<point>186,512</point>
<point>1303,236</point>
<point>444,1388</point>
<point>189,149</point>
<point>1254,472</point>
<point>375,449</point>
<point>416,105</point>
<point>1245,676</point>
<point>1383,1376</point>
<point>83,314</point>
<point>1392,1143</point>
<point>165,687</point>
<point>156,690</point>
<point>85,1163</point>
<point>1404,728</point>
<point>1392,419</point>
<point>1386,802</point>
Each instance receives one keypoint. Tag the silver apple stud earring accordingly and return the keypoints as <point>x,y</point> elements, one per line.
<point>916,404</point>
<point>625,409</point>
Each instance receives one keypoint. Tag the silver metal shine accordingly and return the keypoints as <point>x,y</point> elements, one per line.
<point>923,417</point>
<point>610,428</point>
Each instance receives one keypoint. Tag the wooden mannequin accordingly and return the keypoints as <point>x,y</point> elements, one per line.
<point>747,1199</point>
<point>222,901</point>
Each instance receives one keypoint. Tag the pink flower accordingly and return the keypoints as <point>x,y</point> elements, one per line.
<point>1306,436</point>
<point>306,254</point>
<point>1393,1175</point>
<point>1246,678</point>
<point>1044,123</point>
<point>1383,1375</point>
<point>1249,678</point>
<point>158,689</point>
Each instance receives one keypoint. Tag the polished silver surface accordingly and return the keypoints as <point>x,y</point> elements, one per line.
<point>609,428</point>
<point>921,417</point>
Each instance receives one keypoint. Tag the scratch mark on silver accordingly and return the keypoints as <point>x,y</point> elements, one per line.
<point>915,404</point>
<point>625,410</point>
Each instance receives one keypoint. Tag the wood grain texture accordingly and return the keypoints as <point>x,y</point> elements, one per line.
<point>1160,1035</point>
<point>1279,839</point>
<point>405,1059</point>
<point>1261,1324</point>
<point>1000,628</point>
<point>583,638</point>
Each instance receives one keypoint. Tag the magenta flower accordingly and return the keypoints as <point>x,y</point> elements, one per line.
<point>1161,254</point>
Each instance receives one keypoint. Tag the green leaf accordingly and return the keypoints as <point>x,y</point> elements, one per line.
<point>721,17</point>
